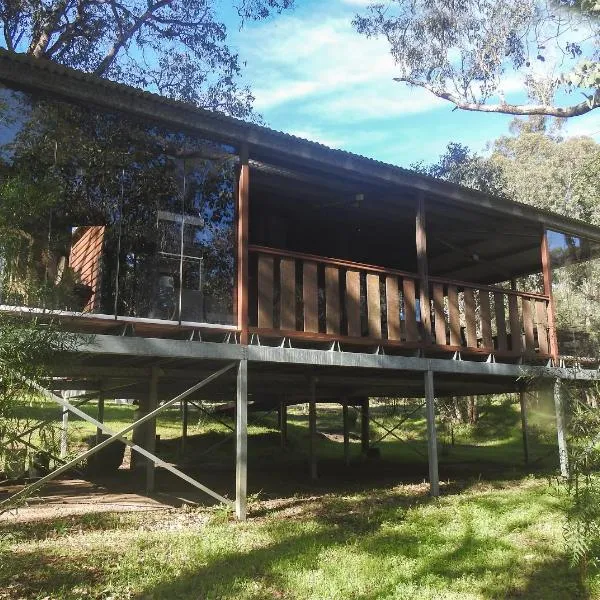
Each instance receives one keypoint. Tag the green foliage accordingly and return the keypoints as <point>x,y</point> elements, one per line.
<point>176,48</point>
<point>468,52</point>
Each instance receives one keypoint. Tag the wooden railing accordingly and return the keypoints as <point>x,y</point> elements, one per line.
<point>316,298</point>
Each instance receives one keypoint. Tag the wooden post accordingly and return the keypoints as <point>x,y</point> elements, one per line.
<point>547,274</point>
<point>524,428</point>
<point>283,423</point>
<point>241,441</point>
<point>100,414</point>
<point>346,432</point>
<point>434,483</point>
<point>423,269</point>
<point>312,427</point>
<point>184,425</point>
<point>563,455</point>
<point>243,211</point>
<point>364,426</point>
<point>150,430</point>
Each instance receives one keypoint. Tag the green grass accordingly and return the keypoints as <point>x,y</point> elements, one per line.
<point>356,533</point>
<point>494,540</point>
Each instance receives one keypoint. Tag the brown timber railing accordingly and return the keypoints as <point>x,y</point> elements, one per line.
<point>315,298</point>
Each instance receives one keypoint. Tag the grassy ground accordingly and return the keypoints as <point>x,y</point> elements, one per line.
<point>492,540</point>
<point>366,532</point>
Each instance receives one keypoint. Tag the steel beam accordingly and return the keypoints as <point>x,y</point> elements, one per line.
<point>28,490</point>
<point>241,443</point>
<point>524,427</point>
<point>563,454</point>
<point>434,483</point>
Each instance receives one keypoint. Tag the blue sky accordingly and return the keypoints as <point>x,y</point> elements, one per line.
<point>314,77</point>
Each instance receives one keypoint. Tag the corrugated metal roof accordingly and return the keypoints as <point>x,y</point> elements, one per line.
<point>262,135</point>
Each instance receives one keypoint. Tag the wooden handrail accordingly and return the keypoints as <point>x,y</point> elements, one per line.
<point>385,271</point>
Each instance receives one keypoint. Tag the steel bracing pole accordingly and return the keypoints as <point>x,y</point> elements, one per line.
<point>150,431</point>
<point>312,427</point>
<point>524,427</point>
<point>346,426</point>
<point>241,443</point>
<point>434,482</point>
<point>563,455</point>
<point>28,490</point>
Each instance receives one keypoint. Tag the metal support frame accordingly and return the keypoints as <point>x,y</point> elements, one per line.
<point>100,414</point>
<point>312,426</point>
<point>283,424</point>
<point>434,482</point>
<point>241,441</point>
<point>184,425</point>
<point>113,436</point>
<point>150,430</point>
<point>346,425</point>
<point>364,426</point>
<point>524,427</point>
<point>563,455</point>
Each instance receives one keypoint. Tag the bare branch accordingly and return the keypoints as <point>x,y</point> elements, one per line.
<point>547,110</point>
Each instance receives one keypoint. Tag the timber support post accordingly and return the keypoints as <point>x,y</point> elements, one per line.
<point>241,441</point>
<point>346,425</point>
<point>563,455</point>
<point>312,427</point>
<point>283,423</point>
<point>364,426</point>
<point>434,482</point>
<point>524,427</point>
<point>150,431</point>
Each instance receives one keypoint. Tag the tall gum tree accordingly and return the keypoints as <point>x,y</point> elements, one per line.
<point>473,52</point>
<point>177,48</point>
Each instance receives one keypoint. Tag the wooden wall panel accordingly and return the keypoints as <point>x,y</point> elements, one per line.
<point>528,324</point>
<point>500,321</point>
<point>332,299</point>
<point>410,313</point>
<point>86,259</point>
<point>515,324</point>
<point>393,307</point>
<point>454,316</point>
<point>287,271</point>
<point>266,292</point>
<point>353,302</point>
<point>438,311</point>
<point>471,324</point>
<point>374,306</point>
<point>541,310</point>
<point>486,320</point>
<point>310,297</point>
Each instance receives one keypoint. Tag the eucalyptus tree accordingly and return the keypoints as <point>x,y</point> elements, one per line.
<point>177,48</point>
<point>475,53</point>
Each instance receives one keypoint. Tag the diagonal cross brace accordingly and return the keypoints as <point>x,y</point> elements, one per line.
<point>119,436</point>
<point>396,426</point>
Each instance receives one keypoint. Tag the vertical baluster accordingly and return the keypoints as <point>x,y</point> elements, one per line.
<point>486,320</point>
<point>454,316</point>
<point>541,309</point>
<point>471,326</point>
<point>310,297</point>
<point>266,291</point>
<point>374,306</point>
<point>288,294</point>
<point>515,324</point>
<point>353,302</point>
<point>438,311</point>
<point>332,299</point>
<point>500,321</point>
<point>393,307</point>
<point>410,317</point>
<point>528,324</point>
